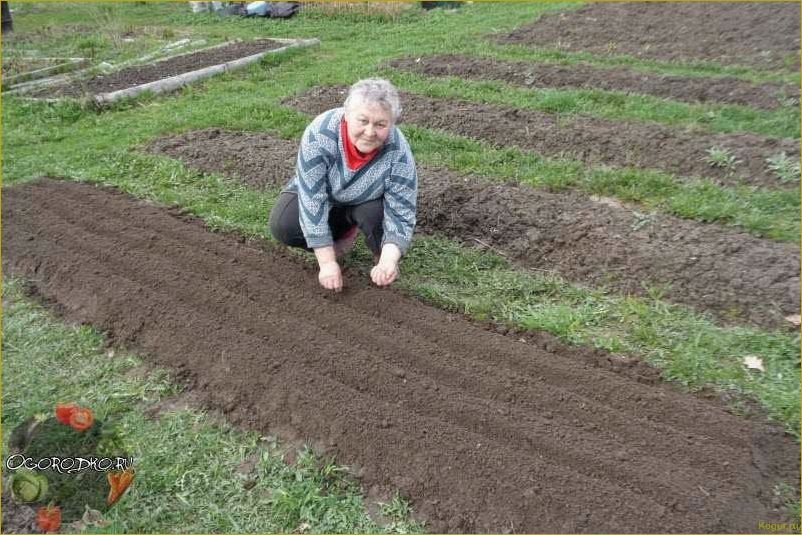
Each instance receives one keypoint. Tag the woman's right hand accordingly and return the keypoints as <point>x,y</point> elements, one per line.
<point>330,276</point>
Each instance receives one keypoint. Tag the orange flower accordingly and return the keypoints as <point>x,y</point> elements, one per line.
<point>118,482</point>
<point>64,411</point>
<point>81,419</point>
<point>49,518</point>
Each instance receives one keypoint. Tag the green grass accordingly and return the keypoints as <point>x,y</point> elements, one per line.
<point>63,139</point>
<point>677,68</point>
<point>189,465</point>
<point>97,31</point>
<point>609,104</point>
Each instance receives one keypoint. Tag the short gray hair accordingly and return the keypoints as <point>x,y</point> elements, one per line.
<point>375,91</point>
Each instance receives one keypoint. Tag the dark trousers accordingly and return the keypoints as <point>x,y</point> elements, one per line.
<point>285,224</point>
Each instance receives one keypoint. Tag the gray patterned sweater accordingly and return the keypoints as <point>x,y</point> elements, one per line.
<point>322,179</point>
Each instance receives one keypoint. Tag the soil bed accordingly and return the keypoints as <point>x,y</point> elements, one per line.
<point>729,273</point>
<point>482,431</point>
<point>593,141</point>
<point>723,90</point>
<point>152,72</point>
<point>762,35</point>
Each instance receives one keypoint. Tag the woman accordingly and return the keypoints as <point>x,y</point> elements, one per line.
<point>354,172</point>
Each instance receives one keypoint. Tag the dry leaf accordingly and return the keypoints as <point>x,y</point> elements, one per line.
<point>795,319</point>
<point>607,201</point>
<point>93,517</point>
<point>754,363</point>
<point>76,527</point>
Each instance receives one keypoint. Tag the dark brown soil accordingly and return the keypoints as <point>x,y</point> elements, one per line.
<point>764,35</point>
<point>591,140</point>
<point>257,158</point>
<point>718,90</point>
<point>144,74</point>
<point>731,274</point>
<point>482,432</point>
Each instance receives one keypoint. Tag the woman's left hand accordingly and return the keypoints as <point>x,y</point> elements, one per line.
<point>384,273</point>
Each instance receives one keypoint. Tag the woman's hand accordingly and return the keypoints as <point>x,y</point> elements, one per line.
<point>330,276</point>
<point>384,273</point>
<point>386,270</point>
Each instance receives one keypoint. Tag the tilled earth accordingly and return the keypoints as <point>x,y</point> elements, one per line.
<point>483,431</point>
<point>144,74</point>
<point>720,89</point>
<point>591,140</point>
<point>762,35</point>
<point>592,242</point>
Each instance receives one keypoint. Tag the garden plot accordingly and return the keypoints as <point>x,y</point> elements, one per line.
<point>592,242</point>
<point>18,69</point>
<point>762,35</point>
<point>591,140</point>
<point>484,432</point>
<point>723,89</point>
<point>171,73</point>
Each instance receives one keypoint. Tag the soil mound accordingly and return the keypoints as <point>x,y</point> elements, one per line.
<point>724,90</point>
<point>734,275</point>
<point>763,35</point>
<point>593,141</point>
<point>144,74</point>
<point>483,432</point>
<point>258,159</point>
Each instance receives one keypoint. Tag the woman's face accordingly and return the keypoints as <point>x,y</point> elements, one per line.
<point>368,126</point>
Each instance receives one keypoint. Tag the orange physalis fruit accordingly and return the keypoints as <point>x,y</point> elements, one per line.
<point>64,411</point>
<point>81,419</point>
<point>49,518</point>
<point>118,482</point>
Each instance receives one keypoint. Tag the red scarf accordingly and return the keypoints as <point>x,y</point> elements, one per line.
<point>353,158</point>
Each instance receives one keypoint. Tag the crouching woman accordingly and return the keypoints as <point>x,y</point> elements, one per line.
<point>355,172</point>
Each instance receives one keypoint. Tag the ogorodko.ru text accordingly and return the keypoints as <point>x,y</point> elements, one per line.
<point>69,465</point>
<point>784,527</point>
